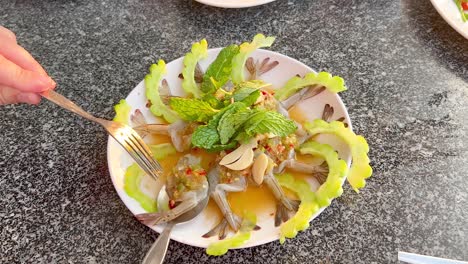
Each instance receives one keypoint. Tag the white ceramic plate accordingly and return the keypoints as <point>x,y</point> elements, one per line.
<point>191,233</point>
<point>234,3</point>
<point>449,11</point>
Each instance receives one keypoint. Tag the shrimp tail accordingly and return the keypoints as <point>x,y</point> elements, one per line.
<point>219,229</point>
<point>303,94</point>
<point>234,221</point>
<point>281,215</point>
<point>279,194</point>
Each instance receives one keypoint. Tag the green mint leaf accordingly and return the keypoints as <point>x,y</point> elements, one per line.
<point>216,118</point>
<point>219,70</point>
<point>269,122</point>
<point>251,98</point>
<point>243,93</point>
<point>192,109</point>
<point>248,92</point>
<point>213,101</point>
<point>220,147</point>
<point>205,137</point>
<point>242,137</point>
<point>232,120</point>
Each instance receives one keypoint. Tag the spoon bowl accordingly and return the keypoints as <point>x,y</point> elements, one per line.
<point>157,252</point>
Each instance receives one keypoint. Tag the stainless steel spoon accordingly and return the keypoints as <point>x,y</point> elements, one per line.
<point>157,252</point>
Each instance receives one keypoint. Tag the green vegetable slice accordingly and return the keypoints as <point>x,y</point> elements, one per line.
<point>192,109</point>
<point>334,84</point>
<point>199,51</point>
<point>219,70</point>
<point>337,168</point>
<point>132,181</point>
<point>308,206</point>
<point>245,49</point>
<point>221,247</point>
<point>134,174</point>
<point>161,151</point>
<point>360,168</point>
<point>122,112</point>
<point>152,81</point>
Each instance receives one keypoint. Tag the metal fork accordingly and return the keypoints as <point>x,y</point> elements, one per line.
<point>125,135</point>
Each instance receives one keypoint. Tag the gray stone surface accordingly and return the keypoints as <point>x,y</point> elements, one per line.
<point>407,73</point>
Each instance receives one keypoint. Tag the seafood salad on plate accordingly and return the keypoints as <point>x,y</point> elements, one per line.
<point>232,133</point>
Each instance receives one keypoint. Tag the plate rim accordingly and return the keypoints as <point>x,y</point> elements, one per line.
<point>159,228</point>
<point>233,5</point>
<point>454,23</point>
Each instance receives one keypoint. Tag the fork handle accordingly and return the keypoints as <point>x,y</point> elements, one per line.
<point>62,101</point>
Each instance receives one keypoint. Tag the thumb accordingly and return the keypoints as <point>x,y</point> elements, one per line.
<point>9,95</point>
<point>11,75</point>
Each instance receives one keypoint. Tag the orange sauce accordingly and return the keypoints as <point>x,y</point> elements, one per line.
<point>253,199</point>
<point>296,114</point>
<point>213,210</point>
<point>170,161</point>
<point>159,139</point>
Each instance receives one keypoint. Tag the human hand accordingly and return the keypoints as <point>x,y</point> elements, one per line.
<point>22,78</point>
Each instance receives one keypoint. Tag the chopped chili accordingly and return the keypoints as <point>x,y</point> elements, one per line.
<point>464,6</point>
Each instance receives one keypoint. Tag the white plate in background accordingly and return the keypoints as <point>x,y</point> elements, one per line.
<point>234,3</point>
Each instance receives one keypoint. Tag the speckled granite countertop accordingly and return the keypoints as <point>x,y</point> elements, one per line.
<point>407,71</point>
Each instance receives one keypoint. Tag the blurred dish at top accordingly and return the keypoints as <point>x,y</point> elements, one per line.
<point>234,3</point>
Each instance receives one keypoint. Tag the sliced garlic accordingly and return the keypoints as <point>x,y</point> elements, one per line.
<point>259,168</point>
<point>243,162</point>
<point>237,153</point>
<point>233,156</point>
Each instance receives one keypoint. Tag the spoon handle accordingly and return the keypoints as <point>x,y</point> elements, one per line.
<point>157,252</point>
